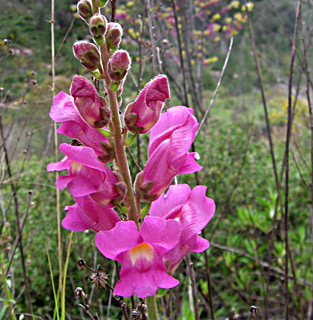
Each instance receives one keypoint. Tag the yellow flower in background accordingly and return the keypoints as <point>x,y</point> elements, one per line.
<point>211,60</point>
<point>235,4</point>
<point>217,16</point>
<point>228,20</point>
<point>217,39</point>
<point>130,4</point>
<point>233,33</point>
<point>216,27</point>
<point>250,6</point>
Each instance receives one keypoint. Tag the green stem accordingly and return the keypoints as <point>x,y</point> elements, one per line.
<point>120,154</point>
<point>152,308</point>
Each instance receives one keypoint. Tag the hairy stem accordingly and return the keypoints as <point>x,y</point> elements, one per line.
<point>120,154</point>
<point>152,307</point>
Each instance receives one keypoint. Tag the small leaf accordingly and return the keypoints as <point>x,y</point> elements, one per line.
<point>106,133</point>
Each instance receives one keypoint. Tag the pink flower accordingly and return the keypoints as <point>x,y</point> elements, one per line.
<point>144,113</point>
<point>170,141</point>
<point>88,54</point>
<point>140,253</point>
<point>88,102</point>
<point>64,110</point>
<point>86,174</point>
<point>88,214</point>
<point>193,210</point>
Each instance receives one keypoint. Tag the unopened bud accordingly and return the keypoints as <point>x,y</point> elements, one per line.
<point>81,264</point>
<point>98,26</point>
<point>119,65</point>
<point>80,293</point>
<point>84,9</point>
<point>88,54</point>
<point>113,35</point>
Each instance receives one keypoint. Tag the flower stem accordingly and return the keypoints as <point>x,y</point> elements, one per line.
<point>152,307</point>
<point>120,154</point>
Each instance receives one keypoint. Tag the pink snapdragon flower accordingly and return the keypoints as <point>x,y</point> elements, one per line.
<point>144,113</point>
<point>64,110</point>
<point>88,214</point>
<point>88,102</point>
<point>140,253</point>
<point>170,141</point>
<point>86,174</point>
<point>193,210</point>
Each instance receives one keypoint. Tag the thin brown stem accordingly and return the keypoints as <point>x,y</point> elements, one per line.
<point>193,286</point>
<point>307,73</point>
<point>288,132</point>
<point>180,54</point>
<point>217,86</point>
<point>17,214</point>
<point>208,279</point>
<point>153,57</point>
<point>113,12</point>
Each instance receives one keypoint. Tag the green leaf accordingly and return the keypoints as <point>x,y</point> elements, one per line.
<point>129,141</point>
<point>106,133</point>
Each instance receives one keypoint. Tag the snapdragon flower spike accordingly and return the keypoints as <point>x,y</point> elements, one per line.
<point>193,210</point>
<point>86,174</point>
<point>119,65</point>
<point>64,110</point>
<point>169,143</point>
<point>88,55</point>
<point>88,214</point>
<point>88,102</point>
<point>141,115</point>
<point>140,253</point>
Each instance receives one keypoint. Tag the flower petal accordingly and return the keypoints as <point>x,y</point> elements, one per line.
<point>124,236</point>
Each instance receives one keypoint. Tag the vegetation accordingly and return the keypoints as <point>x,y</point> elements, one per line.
<point>245,264</point>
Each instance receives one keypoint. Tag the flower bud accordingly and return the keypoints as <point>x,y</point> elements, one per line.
<point>98,26</point>
<point>88,55</point>
<point>84,9</point>
<point>113,35</point>
<point>119,65</point>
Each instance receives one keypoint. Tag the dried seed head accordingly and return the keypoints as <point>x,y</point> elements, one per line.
<point>99,278</point>
<point>81,264</point>
<point>80,293</point>
<point>33,82</point>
